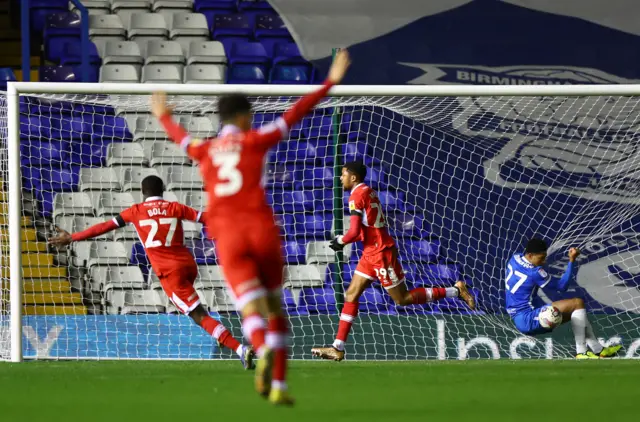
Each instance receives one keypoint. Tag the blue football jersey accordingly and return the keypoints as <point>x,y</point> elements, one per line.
<point>522,281</point>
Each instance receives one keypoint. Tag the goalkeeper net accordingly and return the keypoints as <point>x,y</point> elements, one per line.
<point>464,182</point>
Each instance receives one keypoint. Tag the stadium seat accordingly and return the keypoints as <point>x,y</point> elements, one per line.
<point>280,177</point>
<point>294,152</point>
<point>160,51</point>
<point>162,74</point>
<point>198,126</point>
<point>132,177</point>
<point>203,251</point>
<point>112,203</point>
<point>246,5</point>
<point>287,202</point>
<point>204,74</point>
<point>122,52</point>
<point>217,300</point>
<point>145,27</point>
<point>72,203</point>
<point>148,128</point>
<point>406,225</point>
<point>142,302</point>
<point>162,152</point>
<point>40,9</point>
<point>212,8</point>
<point>116,277</point>
<point>81,223</point>
<point>268,25</point>
<point>302,276</point>
<point>246,74</point>
<point>94,7</point>
<point>320,253</point>
<point>58,74</point>
<point>315,178</point>
<point>206,52</point>
<point>188,28</point>
<point>233,27</point>
<point>248,53</point>
<point>58,179</point>
<point>195,199</point>
<point>419,250</point>
<point>120,73</point>
<point>169,8</point>
<point>125,153</point>
<point>318,300</point>
<point>182,177</point>
<point>191,229</point>
<point>88,154</point>
<point>288,74</point>
<point>44,154</point>
<point>108,253</point>
<point>210,277</point>
<point>139,257</point>
<point>60,29</point>
<point>294,252</point>
<point>125,9</point>
<point>72,54</point>
<point>106,28</point>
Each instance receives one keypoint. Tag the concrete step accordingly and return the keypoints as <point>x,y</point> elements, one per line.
<point>43,286</point>
<point>4,220</point>
<point>38,272</point>
<point>27,247</point>
<point>26,233</point>
<point>55,310</point>
<point>32,260</point>
<point>52,299</point>
<point>35,75</point>
<point>15,61</point>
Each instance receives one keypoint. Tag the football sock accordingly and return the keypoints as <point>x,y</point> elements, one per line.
<point>220,333</point>
<point>276,340</point>
<point>348,315</point>
<point>253,327</point>
<point>579,324</point>
<point>592,340</point>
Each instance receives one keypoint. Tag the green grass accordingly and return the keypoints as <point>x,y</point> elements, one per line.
<point>325,391</point>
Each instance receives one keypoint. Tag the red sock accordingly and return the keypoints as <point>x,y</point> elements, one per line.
<point>431,294</point>
<point>348,315</point>
<point>253,328</point>
<point>220,333</point>
<point>277,341</point>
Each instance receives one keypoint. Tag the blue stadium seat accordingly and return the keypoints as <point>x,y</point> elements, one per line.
<point>139,258</point>
<point>446,273</point>
<point>6,75</point>
<point>58,74</point>
<point>72,54</point>
<point>231,27</point>
<point>246,74</point>
<point>376,301</point>
<point>294,252</point>
<point>244,5</point>
<point>45,202</point>
<point>203,251</point>
<point>44,154</point>
<point>248,53</point>
<point>312,226</point>
<point>280,177</point>
<point>419,250</point>
<point>212,8</point>
<point>60,29</point>
<point>268,25</point>
<point>294,152</point>
<point>111,128</point>
<point>318,300</point>
<point>296,201</point>
<point>406,225</point>
<point>289,74</point>
<point>71,128</point>
<point>89,154</point>
<point>35,127</point>
<point>40,9</point>
<point>59,179</point>
<point>317,127</point>
<point>377,178</point>
<point>314,178</point>
<point>253,9</point>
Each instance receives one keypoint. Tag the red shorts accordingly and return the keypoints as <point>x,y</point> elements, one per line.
<point>178,285</point>
<point>383,266</point>
<point>250,253</point>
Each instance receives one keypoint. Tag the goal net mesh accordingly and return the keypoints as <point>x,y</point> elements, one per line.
<point>464,182</point>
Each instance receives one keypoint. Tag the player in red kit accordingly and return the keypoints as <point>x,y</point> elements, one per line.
<point>242,223</point>
<point>379,260</point>
<point>159,226</point>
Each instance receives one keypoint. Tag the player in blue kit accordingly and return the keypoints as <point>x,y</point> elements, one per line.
<point>525,275</point>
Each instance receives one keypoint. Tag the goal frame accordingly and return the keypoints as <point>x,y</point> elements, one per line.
<point>15,89</point>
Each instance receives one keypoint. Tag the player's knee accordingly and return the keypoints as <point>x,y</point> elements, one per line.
<point>403,300</point>
<point>198,314</point>
<point>578,303</point>
<point>352,295</point>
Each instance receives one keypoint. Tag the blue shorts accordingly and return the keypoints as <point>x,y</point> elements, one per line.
<point>527,322</point>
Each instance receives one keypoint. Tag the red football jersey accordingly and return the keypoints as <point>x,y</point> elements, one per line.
<point>374,235</point>
<point>159,226</point>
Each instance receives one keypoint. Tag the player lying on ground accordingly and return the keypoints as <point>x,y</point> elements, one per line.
<point>524,276</point>
<point>159,223</point>
<point>379,260</point>
<point>247,239</point>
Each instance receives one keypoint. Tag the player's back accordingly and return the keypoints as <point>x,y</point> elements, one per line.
<point>522,281</point>
<point>159,227</point>
<point>233,175</point>
<point>375,235</point>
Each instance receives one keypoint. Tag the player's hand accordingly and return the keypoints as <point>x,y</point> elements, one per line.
<point>159,105</point>
<point>62,238</point>
<point>341,63</point>
<point>573,254</point>
<point>335,245</point>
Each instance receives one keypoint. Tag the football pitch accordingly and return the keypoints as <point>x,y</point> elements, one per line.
<point>325,391</point>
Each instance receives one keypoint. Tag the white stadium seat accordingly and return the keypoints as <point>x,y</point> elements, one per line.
<point>106,27</point>
<point>94,7</point>
<point>120,73</point>
<point>112,203</point>
<point>299,276</point>
<point>188,27</point>
<point>107,253</point>
<point>198,126</point>
<point>81,223</point>
<point>162,51</point>
<point>206,52</point>
<point>125,9</point>
<point>72,203</point>
<point>125,153</point>
<point>163,152</point>
<point>132,177</point>
<point>162,73</point>
<point>182,177</point>
<point>148,127</point>
<point>210,277</point>
<point>122,52</point>
<point>169,8</point>
<point>98,179</point>
<point>321,253</point>
<point>142,301</point>
<point>204,74</point>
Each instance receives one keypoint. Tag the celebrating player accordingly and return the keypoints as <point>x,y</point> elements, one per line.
<point>379,260</point>
<point>525,275</point>
<point>247,238</point>
<point>159,223</point>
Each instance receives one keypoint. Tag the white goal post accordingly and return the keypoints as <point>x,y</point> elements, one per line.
<point>457,142</point>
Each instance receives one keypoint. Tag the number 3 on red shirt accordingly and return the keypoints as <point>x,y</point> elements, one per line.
<point>230,178</point>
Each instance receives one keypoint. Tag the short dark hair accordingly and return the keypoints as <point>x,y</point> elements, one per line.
<point>152,186</point>
<point>229,106</point>
<point>536,245</point>
<point>357,168</point>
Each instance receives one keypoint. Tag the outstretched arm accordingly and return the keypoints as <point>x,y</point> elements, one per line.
<point>272,133</point>
<point>562,284</point>
<point>64,238</point>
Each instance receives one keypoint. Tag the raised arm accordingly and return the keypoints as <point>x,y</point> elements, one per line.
<point>272,133</point>
<point>562,284</point>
